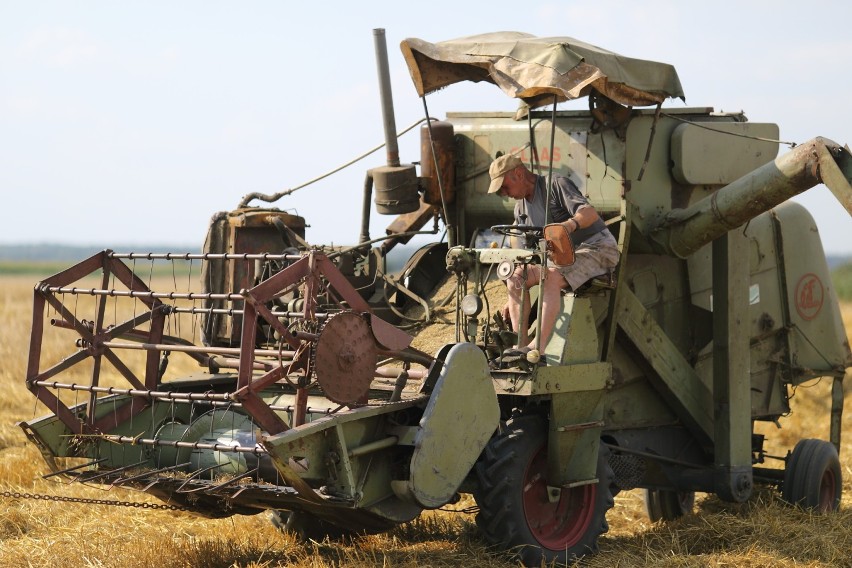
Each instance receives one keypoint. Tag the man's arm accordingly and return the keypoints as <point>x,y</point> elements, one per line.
<point>585,216</point>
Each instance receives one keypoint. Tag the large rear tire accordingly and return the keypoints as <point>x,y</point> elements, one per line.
<point>515,512</point>
<point>665,505</point>
<point>812,477</point>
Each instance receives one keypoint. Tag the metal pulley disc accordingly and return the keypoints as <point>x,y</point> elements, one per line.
<point>345,358</point>
<point>505,269</point>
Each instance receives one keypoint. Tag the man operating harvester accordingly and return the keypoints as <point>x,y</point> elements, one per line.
<point>595,249</point>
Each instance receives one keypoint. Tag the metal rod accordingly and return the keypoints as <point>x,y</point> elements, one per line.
<point>239,312</point>
<point>149,473</point>
<point>176,444</point>
<point>451,229</point>
<point>373,446</point>
<point>301,407</point>
<point>55,322</point>
<point>164,395</point>
<point>390,237</point>
<point>541,342</point>
<point>74,290</point>
<point>366,208</point>
<point>656,457</point>
<point>393,372</point>
<point>583,426</point>
<point>289,409</point>
<point>72,468</point>
<point>195,349</point>
<point>767,474</point>
<point>224,483</point>
<point>196,474</point>
<point>399,385</point>
<point>217,363</point>
<point>202,256</point>
<point>113,471</point>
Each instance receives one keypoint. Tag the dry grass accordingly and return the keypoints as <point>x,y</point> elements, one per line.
<point>762,532</point>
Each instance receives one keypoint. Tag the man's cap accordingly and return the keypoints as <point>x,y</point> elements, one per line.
<point>499,167</point>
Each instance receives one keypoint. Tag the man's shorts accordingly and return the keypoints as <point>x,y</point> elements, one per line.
<point>595,256</point>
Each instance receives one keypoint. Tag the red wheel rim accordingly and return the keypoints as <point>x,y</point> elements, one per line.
<point>558,525</point>
<point>827,491</point>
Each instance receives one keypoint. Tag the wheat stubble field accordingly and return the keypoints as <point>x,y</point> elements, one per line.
<point>761,532</point>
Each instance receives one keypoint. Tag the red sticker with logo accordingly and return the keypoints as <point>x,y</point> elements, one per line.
<point>809,296</point>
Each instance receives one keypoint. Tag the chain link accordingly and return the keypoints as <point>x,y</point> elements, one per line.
<point>88,501</point>
<point>467,510</point>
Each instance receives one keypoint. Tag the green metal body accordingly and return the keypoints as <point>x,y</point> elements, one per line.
<point>697,339</point>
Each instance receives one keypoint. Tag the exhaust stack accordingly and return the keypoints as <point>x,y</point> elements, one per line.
<point>396,185</point>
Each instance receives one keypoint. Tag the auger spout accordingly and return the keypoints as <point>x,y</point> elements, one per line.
<point>819,160</point>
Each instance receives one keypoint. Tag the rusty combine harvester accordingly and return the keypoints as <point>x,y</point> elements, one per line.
<point>314,396</point>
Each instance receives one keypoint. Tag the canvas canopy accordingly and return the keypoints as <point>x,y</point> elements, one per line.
<point>535,69</point>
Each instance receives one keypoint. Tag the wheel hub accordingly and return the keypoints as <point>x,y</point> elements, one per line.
<point>556,524</point>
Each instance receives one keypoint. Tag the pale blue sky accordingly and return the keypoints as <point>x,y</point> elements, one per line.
<point>124,123</point>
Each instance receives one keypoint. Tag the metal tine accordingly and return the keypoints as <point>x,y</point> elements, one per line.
<point>221,485</point>
<point>196,474</point>
<point>150,485</point>
<point>72,468</point>
<point>240,490</point>
<point>112,471</point>
<point>122,480</point>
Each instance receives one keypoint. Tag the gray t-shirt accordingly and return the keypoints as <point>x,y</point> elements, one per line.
<point>565,201</point>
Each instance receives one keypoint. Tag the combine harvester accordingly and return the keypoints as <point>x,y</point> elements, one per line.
<point>316,397</point>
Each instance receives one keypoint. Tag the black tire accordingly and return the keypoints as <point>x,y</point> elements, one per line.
<point>308,527</point>
<point>514,511</point>
<point>812,477</point>
<point>666,505</point>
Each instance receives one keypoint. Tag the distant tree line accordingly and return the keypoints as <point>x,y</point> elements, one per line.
<point>48,252</point>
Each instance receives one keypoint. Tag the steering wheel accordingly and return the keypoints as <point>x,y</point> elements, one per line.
<point>526,231</point>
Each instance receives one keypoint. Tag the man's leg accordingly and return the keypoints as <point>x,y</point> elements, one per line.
<point>551,300</point>
<point>519,295</point>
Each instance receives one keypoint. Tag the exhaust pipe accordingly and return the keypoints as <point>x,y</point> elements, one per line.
<point>386,96</point>
<point>396,185</point>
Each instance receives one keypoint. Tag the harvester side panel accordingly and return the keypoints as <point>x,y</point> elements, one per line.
<point>670,174</point>
<point>794,321</point>
<point>737,148</point>
<point>818,339</point>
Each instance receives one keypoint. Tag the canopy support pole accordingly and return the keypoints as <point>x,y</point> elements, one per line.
<point>451,229</point>
<point>539,343</point>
